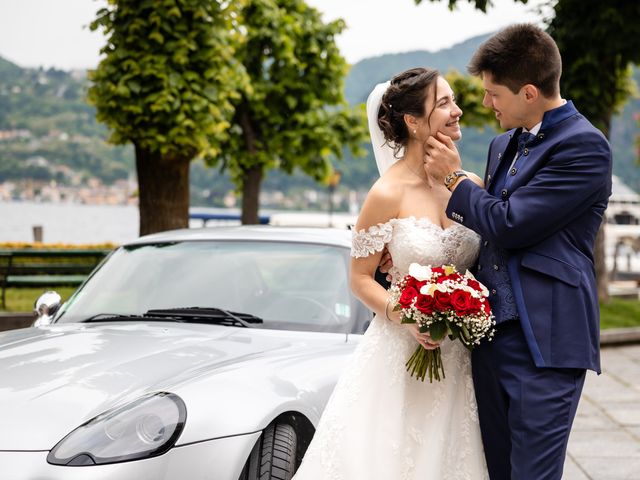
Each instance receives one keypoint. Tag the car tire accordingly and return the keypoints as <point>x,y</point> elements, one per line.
<point>274,455</point>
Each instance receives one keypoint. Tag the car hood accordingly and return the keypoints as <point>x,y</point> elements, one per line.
<point>54,378</point>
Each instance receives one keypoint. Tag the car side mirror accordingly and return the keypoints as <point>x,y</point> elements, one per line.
<point>46,307</point>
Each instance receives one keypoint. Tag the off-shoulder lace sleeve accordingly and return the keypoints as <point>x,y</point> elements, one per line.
<point>367,242</point>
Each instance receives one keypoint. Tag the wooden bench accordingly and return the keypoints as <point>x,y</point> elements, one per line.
<point>46,267</point>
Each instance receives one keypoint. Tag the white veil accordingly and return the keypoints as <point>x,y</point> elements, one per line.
<point>382,151</point>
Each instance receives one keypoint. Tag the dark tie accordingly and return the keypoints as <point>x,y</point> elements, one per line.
<point>523,140</point>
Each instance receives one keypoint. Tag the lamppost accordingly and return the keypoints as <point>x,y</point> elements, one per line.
<point>332,183</point>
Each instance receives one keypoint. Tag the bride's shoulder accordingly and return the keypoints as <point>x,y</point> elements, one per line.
<point>388,188</point>
<point>381,204</point>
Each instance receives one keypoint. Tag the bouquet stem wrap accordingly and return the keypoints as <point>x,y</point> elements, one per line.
<point>425,361</point>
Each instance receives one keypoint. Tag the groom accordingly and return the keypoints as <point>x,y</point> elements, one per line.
<point>548,180</point>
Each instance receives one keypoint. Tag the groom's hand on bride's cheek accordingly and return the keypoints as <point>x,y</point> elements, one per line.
<point>441,156</point>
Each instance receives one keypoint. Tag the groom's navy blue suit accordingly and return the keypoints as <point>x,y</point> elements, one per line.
<point>538,219</point>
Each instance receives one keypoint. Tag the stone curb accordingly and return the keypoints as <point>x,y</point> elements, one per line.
<point>619,336</point>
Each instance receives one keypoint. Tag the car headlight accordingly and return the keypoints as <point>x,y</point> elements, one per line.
<point>146,427</point>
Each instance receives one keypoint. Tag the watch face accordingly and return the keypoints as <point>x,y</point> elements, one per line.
<point>449,178</point>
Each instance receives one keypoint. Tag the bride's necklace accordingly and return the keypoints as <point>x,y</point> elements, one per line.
<point>425,180</point>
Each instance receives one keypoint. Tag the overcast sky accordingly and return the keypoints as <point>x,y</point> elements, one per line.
<point>55,34</point>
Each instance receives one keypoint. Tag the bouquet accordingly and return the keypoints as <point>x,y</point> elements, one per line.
<point>442,302</point>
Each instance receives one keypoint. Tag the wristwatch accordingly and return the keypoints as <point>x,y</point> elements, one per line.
<point>451,179</point>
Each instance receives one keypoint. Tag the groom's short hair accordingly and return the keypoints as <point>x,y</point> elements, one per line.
<point>519,55</point>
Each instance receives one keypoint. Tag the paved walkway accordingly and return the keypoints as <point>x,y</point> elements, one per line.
<point>605,441</point>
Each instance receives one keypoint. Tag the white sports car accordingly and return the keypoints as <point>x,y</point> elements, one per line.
<point>195,354</point>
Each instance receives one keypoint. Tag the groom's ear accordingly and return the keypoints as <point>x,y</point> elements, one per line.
<point>530,93</point>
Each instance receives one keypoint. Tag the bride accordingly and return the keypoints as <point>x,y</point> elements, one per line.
<point>380,423</point>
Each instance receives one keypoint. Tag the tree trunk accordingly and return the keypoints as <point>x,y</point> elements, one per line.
<point>602,276</point>
<point>599,253</point>
<point>252,176</point>
<point>163,184</point>
<point>251,195</point>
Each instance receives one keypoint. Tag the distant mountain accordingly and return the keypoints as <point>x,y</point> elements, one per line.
<point>47,112</point>
<point>46,123</point>
<point>365,74</point>
<point>9,71</point>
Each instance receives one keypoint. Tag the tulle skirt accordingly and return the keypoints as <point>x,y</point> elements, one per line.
<point>382,424</point>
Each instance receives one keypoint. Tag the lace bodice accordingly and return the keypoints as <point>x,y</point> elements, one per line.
<point>418,240</point>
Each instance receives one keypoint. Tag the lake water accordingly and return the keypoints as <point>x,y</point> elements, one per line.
<point>68,223</point>
<point>78,224</point>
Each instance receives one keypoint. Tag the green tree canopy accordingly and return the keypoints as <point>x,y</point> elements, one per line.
<point>478,4</point>
<point>165,84</point>
<point>293,113</point>
<point>599,41</point>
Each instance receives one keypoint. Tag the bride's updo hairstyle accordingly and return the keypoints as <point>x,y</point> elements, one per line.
<point>406,94</point>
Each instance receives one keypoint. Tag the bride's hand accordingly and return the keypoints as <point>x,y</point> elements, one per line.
<point>423,339</point>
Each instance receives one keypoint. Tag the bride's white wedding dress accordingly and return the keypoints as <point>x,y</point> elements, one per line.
<point>382,424</point>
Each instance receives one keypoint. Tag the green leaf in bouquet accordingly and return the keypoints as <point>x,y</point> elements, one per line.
<point>438,331</point>
<point>406,319</point>
<point>465,335</point>
<point>454,332</point>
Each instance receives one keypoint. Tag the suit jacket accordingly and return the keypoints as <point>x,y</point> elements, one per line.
<point>547,218</point>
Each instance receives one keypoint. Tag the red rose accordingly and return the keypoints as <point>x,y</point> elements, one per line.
<point>438,270</point>
<point>486,307</point>
<point>461,302</point>
<point>417,284</point>
<point>425,303</point>
<point>442,300</point>
<point>475,306</point>
<point>474,284</point>
<point>408,294</point>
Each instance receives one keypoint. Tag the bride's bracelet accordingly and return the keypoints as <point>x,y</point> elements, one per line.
<point>386,309</point>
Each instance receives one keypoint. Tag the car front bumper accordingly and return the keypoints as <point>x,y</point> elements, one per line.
<point>222,459</point>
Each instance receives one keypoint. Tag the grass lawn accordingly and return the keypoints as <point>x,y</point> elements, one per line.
<point>615,314</point>
<point>22,299</point>
<point>620,313</point>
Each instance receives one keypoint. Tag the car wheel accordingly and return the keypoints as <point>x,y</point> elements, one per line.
<point>274,455</point>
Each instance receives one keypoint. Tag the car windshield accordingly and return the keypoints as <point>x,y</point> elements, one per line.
<point>292,286</point>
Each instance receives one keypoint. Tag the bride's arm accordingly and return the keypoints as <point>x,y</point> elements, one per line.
<point>381,205</point>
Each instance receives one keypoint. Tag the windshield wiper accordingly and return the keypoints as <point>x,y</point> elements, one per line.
<point>215,316</point>
<point>108,317</point>
<point>206,315</point>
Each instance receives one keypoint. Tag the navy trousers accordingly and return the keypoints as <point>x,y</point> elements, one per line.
<point>525,412</point>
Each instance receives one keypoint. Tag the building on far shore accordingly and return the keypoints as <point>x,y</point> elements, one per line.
<point>622,232</point>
